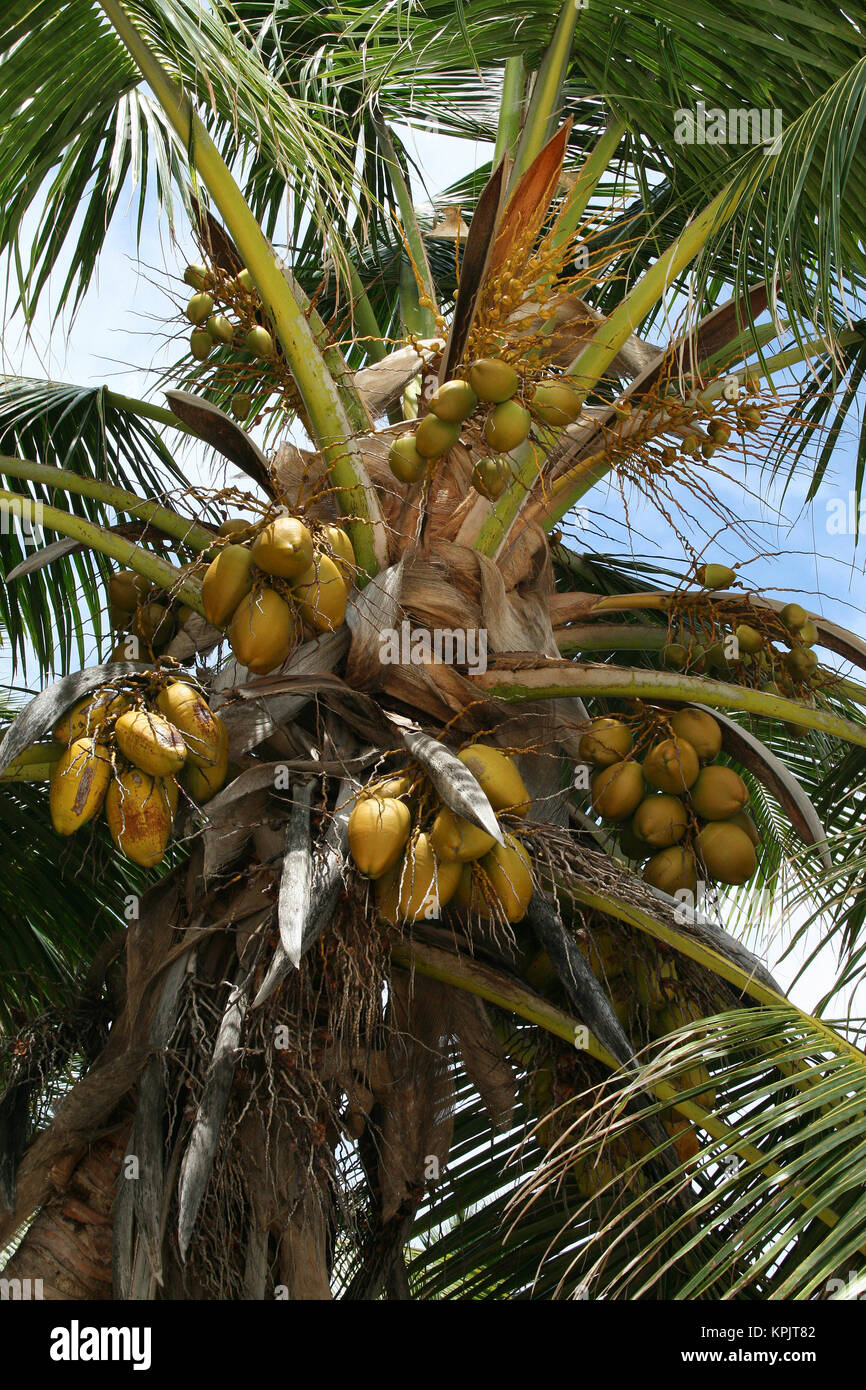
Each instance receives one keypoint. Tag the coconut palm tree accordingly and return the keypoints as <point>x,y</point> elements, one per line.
<point>327,1056</point>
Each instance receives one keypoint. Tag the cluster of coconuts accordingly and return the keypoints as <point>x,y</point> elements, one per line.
<point>776,671</point>
<point>676,811</point>
<point>139,609</point>
<point>213,328</point>
<point>746,418</point>
<point>267,593</point>
<point>486,396</point>
<point>421,854</point>
<point>129,747</point>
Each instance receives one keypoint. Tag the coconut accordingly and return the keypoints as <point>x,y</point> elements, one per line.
<point>220,329</point>
<point>87,716</point>
<point>727,852</point>
<point>672,765</point>
<point>631,845</point>
<point>154,624</point>
<point>264,629</point>
<point>203,782</point>
<point>699,729</point>
<point>672,870</point>
<point>793,616</point>
<point>661,820</point>
<point>435,437</point>
<point>284,548</point>
<point>138,809</point>
<point>200,344</point>
<point>618,790</point>
<point>508,879</point>
<point>321,594</point>
<point>716,576</point>
<point>507,426</point>
<point>150,742</point>
<point>227,581</point>
<point>499,778</point>
<point>749,640</point>
<point>492,380</point>
<point>674,656</point>
<point>404,460</point>
<point>809,633</point>
<point>259,342</point>
<point>341,550</point>
<point>397,785</point>
<point>199,308</point>
<point>454,401</point>
<point>454,837</point>
<point>426,883</point>
<point>78,784</point>
<point>196,276</point>
<point>242,404</point>
<point>202,731</point>
<point>801,662</point>
<point>606,741</point>
<point>490,476</point>
<point>744,821</point>
<point>245,282</point>
<point>378,829</point>
<point>233,526</point>
<point>685,1139</point>
<point>719,793</point>
<point>556,402</point>
<point>127,589</point>
<point>719,433</point>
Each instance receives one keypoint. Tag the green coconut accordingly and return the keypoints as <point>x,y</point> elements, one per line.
<point>435,437</point>
<point>699,729</point>
<point>606,741</point>
<point>493,381</point>
<point>671,765</point>
<point>454,401</point>
<point>507,426</point>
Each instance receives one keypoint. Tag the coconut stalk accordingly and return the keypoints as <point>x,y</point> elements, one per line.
<point>510,109</point>
<point>322,402</point>
<point>562,681</point>
<point>411,231</point>
<point>187,532</point>
<point>588,179</point>
<point>477,979</point>
<point>159,572</point>
<point>544,104</point>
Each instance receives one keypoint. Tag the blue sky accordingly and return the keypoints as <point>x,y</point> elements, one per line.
<point>121,337</point>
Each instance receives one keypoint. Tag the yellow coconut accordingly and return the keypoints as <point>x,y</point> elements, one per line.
<point>727,852</point>
<point>386,892</point>
<point>321,594</point>
<point>79,782</point>
<point>341,551</point>
<point>492,380</point>
<point>672,870</point>
<point>378,830</point>
<point>426,883</point>
<point>227,582</point>
<point>454,401</point>
<point>435,437</point>
<point>618,790</point>
<point>284,548</point>
<point>499,778</point>
<point>264,629</point>
<point>671,766</point>
<point>454,837</point>
<point>203,732</point>
<point>87,716</point>
<point>744,821</point>
<point>397,785</point>
<point>508,879</point>
<point>203,782</point>
<point>606,741</point>
<point>140,818</point>
<point>150,742</point>
<point>699,729</point>
<point>127,590</point>
<point>556,402</point>
<point>719,793</point>
<point>661,820</point>
<point>507,426</point>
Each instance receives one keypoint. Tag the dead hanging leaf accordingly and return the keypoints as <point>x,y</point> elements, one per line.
<point>375,612</point>
<point>473,268</point>
<point>297,875</point>
<point>224,434</point>
<point>40,559</point>
<point>197,637</point>
<point>380,384</point>
<point>417,1124</point>
<point>754,755</point>
<point>486,1064</point>
<point>453,782</point>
